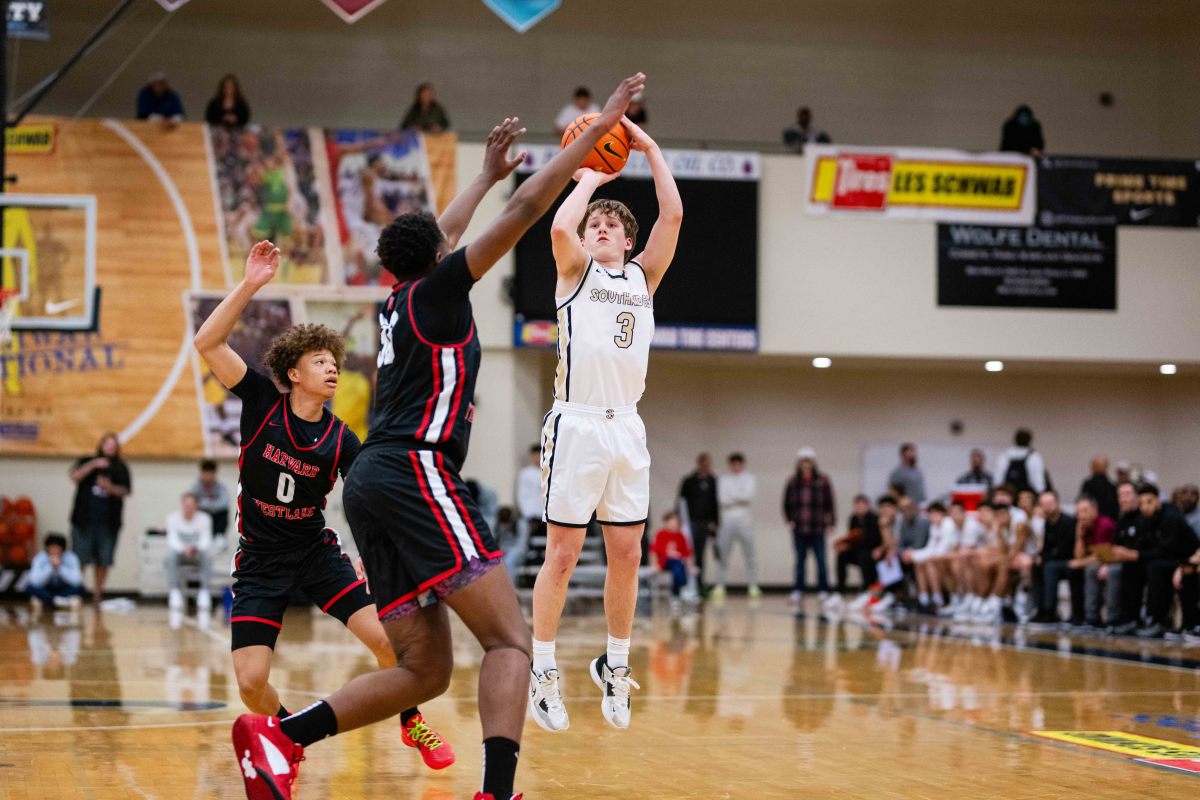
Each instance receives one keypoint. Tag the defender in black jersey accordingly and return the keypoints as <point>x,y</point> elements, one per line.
<point>293,450</point>
<point>424,544</point>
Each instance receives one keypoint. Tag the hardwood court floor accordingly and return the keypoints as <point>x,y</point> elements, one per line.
<point>735,703</point>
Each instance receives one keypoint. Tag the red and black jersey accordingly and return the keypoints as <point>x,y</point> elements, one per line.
<point>286,469</point>
<point>428,361</point>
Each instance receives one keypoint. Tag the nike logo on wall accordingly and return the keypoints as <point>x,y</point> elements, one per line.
<point>58,308</point>
<point>1139,214</point>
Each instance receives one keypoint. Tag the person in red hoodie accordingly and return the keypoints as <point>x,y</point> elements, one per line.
<point>674,553</point>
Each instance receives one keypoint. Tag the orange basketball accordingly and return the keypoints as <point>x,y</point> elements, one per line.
<point>18,556</point>
<point>23,505</point>
<point>23,531</point>
<point>610,153</point>
<point>5,532</point>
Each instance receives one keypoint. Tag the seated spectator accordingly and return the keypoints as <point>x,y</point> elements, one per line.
<point>158,101</point>
<point>1187,500</point>
<point>581,103</point>
<point>55,576</point>
<point>189,544</point>
<point>1057,560</point>
<point>674,554</point>
<point>1101,489</point>
<point>1022,133</point>
<point>973,562</point>
<point>213,499</point>
<point>1165,542</point>
<point>1094,534</point>
<point>1187,581</point>
<point>1022,467</point>
<point>912,530</point>
<point>636,113</point>
<point>803,132</point>
<point>925,560</point>
<point>426,114</point>
<point>1122,552</point>
<point>962,534</point>
<point>1005,495</point>
<point>861,544</point>
<point>1003,554</point>
<point>227,108</point>
<point>977,475</point>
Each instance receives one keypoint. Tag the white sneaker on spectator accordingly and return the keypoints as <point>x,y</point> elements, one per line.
<point>794,599</point>
<point>990,611</point>
<point>203,602</point>
<point>545,700</point>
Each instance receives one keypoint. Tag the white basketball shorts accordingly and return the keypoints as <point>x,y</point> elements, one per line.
<point>594,459</point>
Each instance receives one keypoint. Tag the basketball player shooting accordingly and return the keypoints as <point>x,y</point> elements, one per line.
<point>594,456</point>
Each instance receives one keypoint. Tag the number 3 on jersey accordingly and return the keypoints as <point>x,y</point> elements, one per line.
<point>286,489</point>
<point>625,337</point>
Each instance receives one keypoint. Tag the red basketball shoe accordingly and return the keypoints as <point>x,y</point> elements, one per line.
<point>268,760</point>
<point>482,796</point>
<point>436,751</point>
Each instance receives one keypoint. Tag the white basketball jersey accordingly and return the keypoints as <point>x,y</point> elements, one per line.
<point>604,332</point>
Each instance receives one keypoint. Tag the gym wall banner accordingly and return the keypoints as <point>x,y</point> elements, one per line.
<point>921,184</point>
<point>1077,190</point>
<point>28,19</point>
<point>1027,267</point>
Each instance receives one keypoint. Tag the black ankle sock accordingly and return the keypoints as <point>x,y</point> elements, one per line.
<point>405,716</point>
<point>283,713</point>
<point>499,766</point>
<point>311,724</point>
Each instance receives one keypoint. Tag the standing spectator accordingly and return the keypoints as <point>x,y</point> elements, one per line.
<point>581,103</point>
<point>1166,542</point>
<point>1092,530</point>
<point>213,499</point>
<point>977,475</point>
<point>808,511</point>
<point>228,108</point>
<point>1057,555</point>
<point>102,483</point>
<point>859,545</point>
<point>189,544</point>
<point>699,494</point>
<point>637,111</point>
<point>158,101</point>
<point>1022,133</point>
<point>674,555</point>
<point>55,575</point>
<point>803,132</point>
<point>1101,489</point>
<point>529,510</point>
<point>906,479</point>
<point>1022,467</point>
<point>426,114</point>
<point>735,492</point>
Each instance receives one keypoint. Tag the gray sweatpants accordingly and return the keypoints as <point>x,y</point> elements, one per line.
<point>174,563</point>
<point>1092,591</point>
<point>741,530</point>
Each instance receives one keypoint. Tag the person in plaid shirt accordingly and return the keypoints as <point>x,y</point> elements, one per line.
<point>808,511</point>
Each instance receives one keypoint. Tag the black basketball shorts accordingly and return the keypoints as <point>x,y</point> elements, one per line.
<point>417,526</point>
<point>262,583</point>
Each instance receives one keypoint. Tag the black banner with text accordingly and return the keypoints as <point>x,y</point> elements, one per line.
<point>1077,190</point>
<point>1016,267</point>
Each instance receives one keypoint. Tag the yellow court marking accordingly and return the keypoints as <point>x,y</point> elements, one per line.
<point>1128,744</point>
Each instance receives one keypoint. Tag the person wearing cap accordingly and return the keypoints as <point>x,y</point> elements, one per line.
<point>158,101</point>
<point>809,512</point>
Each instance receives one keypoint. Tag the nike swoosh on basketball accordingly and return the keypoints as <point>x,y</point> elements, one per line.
<point>608,147</point>
<point>1139,214</point>
<point>58,308</point>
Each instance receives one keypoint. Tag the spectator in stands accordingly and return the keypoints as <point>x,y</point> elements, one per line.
<point>581,103</point>
<point>1124,472</point>
<point>1187,500</point>
<point>809,512</point>
<point>1123,551</point>
<point>213,499</point>
<point>735,492</point>
<point>1022,133</point>
<point>228,107</point>
<point>55,576</point>
<point>102,482</point>
<point>189,544</point>
<point>1005,495</point>
<point>699,494</point>
<point>158,101</point>
<point>906,479</point>
<point>1166,542</point>
<point>977,475</point>
<point>926,560</point>
<point>912,533</point>
<point>636,113</point>
<point>803,132</point>
<point>1022,467</point>
<point>486,499</point>
<point>1094,533</point>
<point>529,510</point>
<point>1098,487</point>
<point>859,545</point>
<point>1056,558</point>
<point>426,114</point>
<point>674,555</point>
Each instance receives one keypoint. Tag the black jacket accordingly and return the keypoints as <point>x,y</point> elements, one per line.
<point>1059,543</point>
<point>1104,492</point>
<point>118,473</point>
<point>1166,536</point>
<point>700,492</point>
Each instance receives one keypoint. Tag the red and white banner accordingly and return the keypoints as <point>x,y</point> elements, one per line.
<point>352,11</point>
<point>918,183</point>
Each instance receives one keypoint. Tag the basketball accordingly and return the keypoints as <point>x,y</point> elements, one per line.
<point>4,532</point>
<point>610,153</point>
<point>23,531</point>
<point>17,555</point>
<point>23,506</point>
